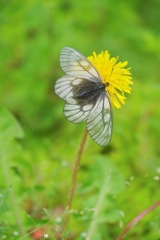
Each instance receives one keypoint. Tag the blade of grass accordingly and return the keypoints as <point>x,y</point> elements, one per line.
<point>104,190</point>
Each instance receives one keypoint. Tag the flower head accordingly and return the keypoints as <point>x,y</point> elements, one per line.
<point>115,76</point>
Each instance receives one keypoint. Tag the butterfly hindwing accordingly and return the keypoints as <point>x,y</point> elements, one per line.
<point>76,113</point>
<point>99,121</point>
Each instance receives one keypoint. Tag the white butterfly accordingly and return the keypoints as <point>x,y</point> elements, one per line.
<point>85,95</point>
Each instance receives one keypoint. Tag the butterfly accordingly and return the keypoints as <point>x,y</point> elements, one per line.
<point>85,96</point>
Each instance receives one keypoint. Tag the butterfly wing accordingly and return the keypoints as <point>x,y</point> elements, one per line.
<point>74,110</point>
<point>75,64</point>
<point>79,71</point>
<point>99,121</point>
<point>64,87</point>
<point>76,113</point>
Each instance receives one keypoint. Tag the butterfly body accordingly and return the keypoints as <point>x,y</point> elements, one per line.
<point>85,95</point>
<point>88,92</point>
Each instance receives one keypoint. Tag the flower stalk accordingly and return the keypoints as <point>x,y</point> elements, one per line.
<point>74,179</point>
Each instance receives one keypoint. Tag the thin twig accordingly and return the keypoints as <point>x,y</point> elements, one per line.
<point>137,219</point>
<point>74,178</point>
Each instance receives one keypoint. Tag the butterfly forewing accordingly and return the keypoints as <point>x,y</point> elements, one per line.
<point>75,64</point>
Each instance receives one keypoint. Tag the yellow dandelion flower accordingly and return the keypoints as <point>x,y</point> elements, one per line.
<point>115,76</point>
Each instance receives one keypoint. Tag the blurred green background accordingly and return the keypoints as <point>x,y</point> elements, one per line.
<point>38,145</point>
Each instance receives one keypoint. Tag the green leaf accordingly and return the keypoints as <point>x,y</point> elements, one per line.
<point>9,127</point>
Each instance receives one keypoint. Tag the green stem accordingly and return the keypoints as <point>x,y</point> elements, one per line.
<point>12,196</point>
